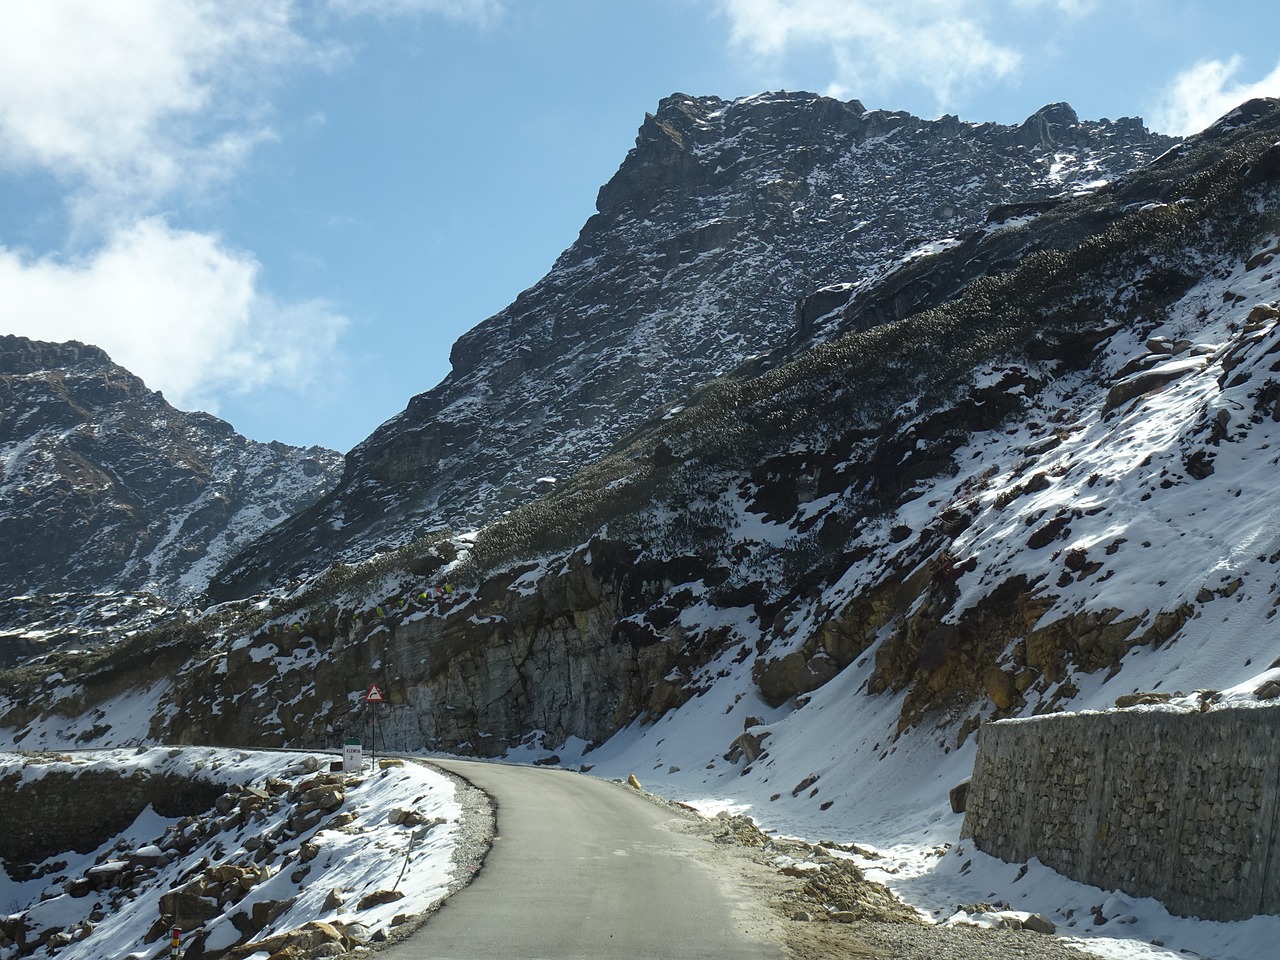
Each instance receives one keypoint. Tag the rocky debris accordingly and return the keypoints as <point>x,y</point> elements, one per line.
<point>840,887</point>
<point>1144,699</point>
<point>998,916</point>
<point>251,833</point>
<point>740,830</point>
<point>829,885</point>
<point>310,940</point>
<point>403,817</point>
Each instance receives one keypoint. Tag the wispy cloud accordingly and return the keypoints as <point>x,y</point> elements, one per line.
<point>178,308</point>
<point>941,45</point>
<point>1198,96</point>
<point>479,11</point>
<point>1072,8</point>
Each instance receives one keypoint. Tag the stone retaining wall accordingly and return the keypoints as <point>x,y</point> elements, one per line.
<point>1174,805</point>
<point>69,809</point>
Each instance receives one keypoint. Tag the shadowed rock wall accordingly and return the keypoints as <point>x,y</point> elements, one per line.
<point>78,810</point>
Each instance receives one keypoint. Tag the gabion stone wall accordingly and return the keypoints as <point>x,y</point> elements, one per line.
<point>1180,806</point>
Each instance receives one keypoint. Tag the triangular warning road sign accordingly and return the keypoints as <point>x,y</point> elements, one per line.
<point>374,695</point>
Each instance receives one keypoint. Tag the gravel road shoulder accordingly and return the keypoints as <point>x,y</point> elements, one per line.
<point>848,915</point>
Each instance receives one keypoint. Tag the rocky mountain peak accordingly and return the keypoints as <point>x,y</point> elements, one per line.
<point>19,355</point>
<point>722,217</point>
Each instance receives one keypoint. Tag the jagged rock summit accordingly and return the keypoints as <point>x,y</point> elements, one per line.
<point>723,216</point>
<point>104,486</point>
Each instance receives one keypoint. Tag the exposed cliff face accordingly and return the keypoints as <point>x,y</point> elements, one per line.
<point>474,670</point>
<point>722,217</point>
<point>106,487</point>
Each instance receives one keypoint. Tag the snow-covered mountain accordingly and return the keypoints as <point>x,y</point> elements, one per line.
<point>978,508</point>
<point>106,487</point>
<point>722,218</point>
<point>1023,467</point>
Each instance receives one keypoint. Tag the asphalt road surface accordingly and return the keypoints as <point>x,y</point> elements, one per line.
<point>583,869</point>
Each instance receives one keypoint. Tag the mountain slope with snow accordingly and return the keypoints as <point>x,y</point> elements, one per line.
<point>106,487</point>
<point>801,589</point>
<point>722,217</point>
<point>962,507</point>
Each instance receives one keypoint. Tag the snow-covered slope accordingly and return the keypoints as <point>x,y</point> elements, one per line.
<point>979,506</point>
<point>289,855</point>
<point>723,217</point>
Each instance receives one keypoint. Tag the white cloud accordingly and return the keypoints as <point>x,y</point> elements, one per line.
<point>177,308</point>
<point>1072,8</point>
<point>941,45</point>
<point>135,106</point>
<point>474,10</point>
<point>1199,96</point>
<point>130,100</point>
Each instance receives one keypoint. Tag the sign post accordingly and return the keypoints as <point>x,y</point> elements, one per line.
<point>374,698</point>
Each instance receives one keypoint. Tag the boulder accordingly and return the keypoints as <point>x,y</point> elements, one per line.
<point>1268,690</point>
<point>1039,923</point>
<point>299,943</point>
<point>185,908</point>
<point>746,746</point>
<point>1142,699</point>
<point>379,897</point>
<point>335,898</point>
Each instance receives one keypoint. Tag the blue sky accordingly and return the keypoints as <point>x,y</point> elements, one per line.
<point>285,212</point>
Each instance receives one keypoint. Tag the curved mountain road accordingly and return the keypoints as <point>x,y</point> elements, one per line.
<point>583,869</point>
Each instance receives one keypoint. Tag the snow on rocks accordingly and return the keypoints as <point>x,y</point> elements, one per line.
<point>292,853</point>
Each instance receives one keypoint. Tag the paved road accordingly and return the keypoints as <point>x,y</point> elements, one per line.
<point>582,869</point>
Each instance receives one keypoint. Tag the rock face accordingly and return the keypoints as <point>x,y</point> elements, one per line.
<point>721,219</point>
<point>106,487</point>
